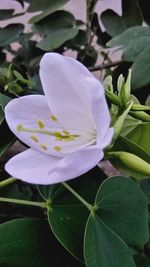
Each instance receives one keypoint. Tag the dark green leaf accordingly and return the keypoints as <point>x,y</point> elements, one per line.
<point>131,16</point>
<point>112,22</point>
<point>129,35</point>
<point>6,13</point>
<point>4,100</point>
<point>147,103</point>
<point>103,247</point>
<point>141,66</point>
<point>140,135</point>
<point>1,114</point>
<point>142,261</point>
<point>68,216</point>
<point>29,242</point>
<point>48,7</point>
<point>10,34</point>
<point>7,140</point>
<point>135,47</point>
<point>56,39</point>
<point>56,29</point>
<point>120,218</point>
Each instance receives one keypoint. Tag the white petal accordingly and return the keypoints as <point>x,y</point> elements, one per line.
<point>28,111</point>
<point>99,108</point>
<point>69,90</point>
<point>34,167</point>
<point>106,140</point>
<point>76,164</point>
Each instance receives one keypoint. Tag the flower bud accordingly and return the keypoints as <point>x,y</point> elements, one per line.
<point>132,162</point>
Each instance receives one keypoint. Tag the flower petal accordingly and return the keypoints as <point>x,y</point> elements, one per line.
<point>66,84</point>
<point>34,167</point>
<point>29,111</point>
<point>76,164</point>
<point>99,108</point>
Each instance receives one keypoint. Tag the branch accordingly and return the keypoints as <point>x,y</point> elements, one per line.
<point>105,66</point>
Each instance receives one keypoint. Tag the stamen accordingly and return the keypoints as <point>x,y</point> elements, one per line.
<point>20,127</point>
<point>41,124</point>
<point>57,148</point>
<point>34,138</point>
<point>57,135</point>
<point>54,118</point>
<point>66,132</point>
<point>43,146</point>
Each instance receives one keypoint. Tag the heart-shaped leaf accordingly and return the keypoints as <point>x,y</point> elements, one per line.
<point>119,219</point>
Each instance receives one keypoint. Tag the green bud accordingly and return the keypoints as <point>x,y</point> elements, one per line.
<point>120,83</point>
<point>124,88</point>
<point>114,99</point>
<point>132,162</point>
<point>108,83</point>
<point>120,121</point>
<point>136,107</point>
<point>140,115</point>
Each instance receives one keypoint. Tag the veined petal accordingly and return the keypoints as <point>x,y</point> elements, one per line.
<point>67,89</point>
<point>98,106</point>
<point>76,164</point>
<point>32,166</point>
<point>37,168</point>
<point>32,113</point>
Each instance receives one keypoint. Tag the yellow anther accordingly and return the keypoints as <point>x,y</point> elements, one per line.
<point>58,134</point>
<point>19,127</point>
<point>34,138</point>
<point>66,132</point>
<point>40,124</point>
<point>54,118</point>
<point>43,146</point>
<point>57,148</point>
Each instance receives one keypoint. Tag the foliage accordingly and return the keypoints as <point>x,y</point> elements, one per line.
<point>114,230</point>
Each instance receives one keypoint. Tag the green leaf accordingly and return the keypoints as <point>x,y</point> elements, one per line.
<point>140,135</point>
<point>24,242</point>
<point>6,13</point>
<point>127,145</point>
<point>56,39</point>
<point>147,103</point>
<point>142,261</point>
<point>67,216</point>
<point>135,47</point>
<point>29,242</point>
<point>10,34</point>
<point>141,66</point>
<point>8,138</point>
<point>56,29</point>
<point>112,22</point>
<point>120,218</point>
<point>129,35</point>
<point>131,16</point>
<point>1,115</point>
<point>48,7</point>
<point>4,100</point>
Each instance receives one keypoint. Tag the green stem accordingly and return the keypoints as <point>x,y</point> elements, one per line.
<point>8,181</point>
<point>24,202</point>
<point>82,200</point>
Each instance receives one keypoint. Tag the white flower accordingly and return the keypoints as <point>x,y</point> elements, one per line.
<point>67,129</point>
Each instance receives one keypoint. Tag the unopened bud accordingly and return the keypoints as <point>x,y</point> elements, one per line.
<point>125,88</point>
<point>132,162</point>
